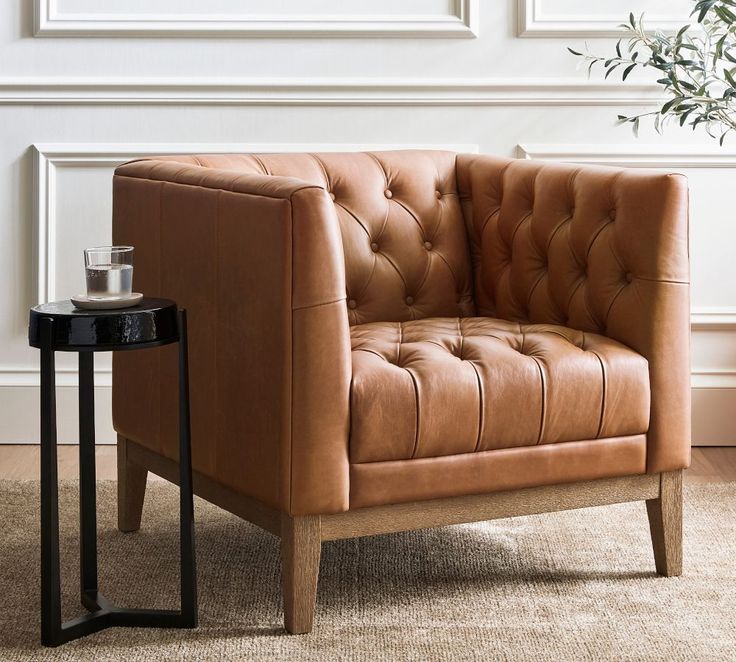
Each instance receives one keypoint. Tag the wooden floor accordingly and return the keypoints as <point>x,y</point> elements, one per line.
<point>710,464</point>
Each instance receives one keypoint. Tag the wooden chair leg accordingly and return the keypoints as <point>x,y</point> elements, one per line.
<point>131,489</point>
<point>300,551</point>
<point>665,523</point>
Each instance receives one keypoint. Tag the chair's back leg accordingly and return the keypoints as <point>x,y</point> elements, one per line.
<point>665,523</point>
<point>300,551</point>
<point>131,489</point>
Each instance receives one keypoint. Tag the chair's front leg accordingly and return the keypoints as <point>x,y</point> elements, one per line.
<point>665,523</point>
<point>300,551</point>
<point>131,489</point>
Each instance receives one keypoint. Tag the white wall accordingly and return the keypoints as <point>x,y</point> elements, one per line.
<point>85,85</point>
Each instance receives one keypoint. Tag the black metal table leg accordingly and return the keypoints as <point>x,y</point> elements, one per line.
<point>87,487</point>
<point>50,572</point>
<point>186,496</point>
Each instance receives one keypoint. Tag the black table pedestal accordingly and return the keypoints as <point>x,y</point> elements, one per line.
<point>102,614</point>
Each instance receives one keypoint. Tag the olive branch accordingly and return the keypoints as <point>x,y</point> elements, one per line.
<point>697,65</point>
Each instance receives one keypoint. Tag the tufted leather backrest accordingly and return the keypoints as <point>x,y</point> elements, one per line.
<point>564,244</point>
<point>404,237</point>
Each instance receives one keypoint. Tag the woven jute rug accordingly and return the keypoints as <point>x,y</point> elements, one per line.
<point>565,586</point>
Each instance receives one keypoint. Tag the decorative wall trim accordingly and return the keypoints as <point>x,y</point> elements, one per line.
<point>634,155</point>
<point>65,378</point>
<point>462,22</point>
<point>533,22</point>
<point>326,92</point>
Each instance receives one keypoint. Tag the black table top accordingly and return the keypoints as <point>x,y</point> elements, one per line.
<point>151,323</point>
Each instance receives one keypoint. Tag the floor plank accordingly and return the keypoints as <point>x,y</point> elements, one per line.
<point>713,464</point>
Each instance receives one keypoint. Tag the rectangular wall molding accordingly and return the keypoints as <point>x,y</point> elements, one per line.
<point>533,21</point>
<point>543,92</point>
<point>51,21</point>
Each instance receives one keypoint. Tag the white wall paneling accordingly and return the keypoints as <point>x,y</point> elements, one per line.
<point>247,18</point>
<point>710,171</point>
<point>576,19</point>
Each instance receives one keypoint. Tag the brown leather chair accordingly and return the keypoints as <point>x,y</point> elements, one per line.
<point>389,341</point>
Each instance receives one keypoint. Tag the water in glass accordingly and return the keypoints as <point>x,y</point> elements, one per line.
<point>109,280</point>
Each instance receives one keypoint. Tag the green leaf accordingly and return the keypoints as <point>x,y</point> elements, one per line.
<point>618,48</point>
<point>574,52</point>
<point>667,106</point>
<point>628,70</point>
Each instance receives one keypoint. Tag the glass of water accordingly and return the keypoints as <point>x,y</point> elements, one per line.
<point>109,271</point>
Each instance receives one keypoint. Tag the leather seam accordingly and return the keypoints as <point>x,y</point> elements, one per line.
<point>258,160</point>
<point>401,340</point>
<point>604,377</point>
<point>222,188</point>
<point>663,280</point>
<point>328,183</point>
<point>544,400</point>
<point>610,306</point>
<point>317,305</point>
<point>534,288</point>
<point>481,421</point>
<point>511,449</point>
<point>357,220</point>
<point>416,397</point>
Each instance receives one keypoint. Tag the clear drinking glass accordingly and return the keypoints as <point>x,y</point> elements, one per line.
<point>109,271</point>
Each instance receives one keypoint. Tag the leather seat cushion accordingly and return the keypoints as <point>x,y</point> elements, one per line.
<point>444,386</point>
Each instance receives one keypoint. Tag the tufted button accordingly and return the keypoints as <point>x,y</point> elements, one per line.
<point>388,194</point>
<point>572,211</point>
<point>409,301</point>
<point>612,214</point>
<point>629,277</point>
<point>374,247</point>
<point>438,194</point>
<point>352,304</point>
<point>428,245</point>
<point>332,195</point>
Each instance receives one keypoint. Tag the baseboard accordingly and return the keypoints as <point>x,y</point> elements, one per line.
<point>714,417</point>
<point>20,415</point>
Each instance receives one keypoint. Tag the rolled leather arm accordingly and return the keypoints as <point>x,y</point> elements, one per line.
<point>257,262</point>
<point>597,249</point>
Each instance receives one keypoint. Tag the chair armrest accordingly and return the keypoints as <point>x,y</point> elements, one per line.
<point>257,261</point>
<point>597,249</point>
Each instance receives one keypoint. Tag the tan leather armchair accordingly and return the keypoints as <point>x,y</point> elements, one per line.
<point>389,341</point>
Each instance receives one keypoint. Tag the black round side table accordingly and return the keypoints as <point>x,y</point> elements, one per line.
<point>60,327</point>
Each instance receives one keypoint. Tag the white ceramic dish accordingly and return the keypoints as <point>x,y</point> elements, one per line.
<point>83,301</point>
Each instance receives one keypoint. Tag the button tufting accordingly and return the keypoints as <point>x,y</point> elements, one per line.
<point>612,214</point>
<point>629,277</point>
<point>409,300</point>
<point>332,195</point>
<point>438,194</point>
<point>374,247</point>
<point>388,194</point>
<point>572,211</point>
<point>428,245</point>
<point>352,304</point>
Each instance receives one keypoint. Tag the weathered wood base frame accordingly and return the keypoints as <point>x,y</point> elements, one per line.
<point>301,537</point>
